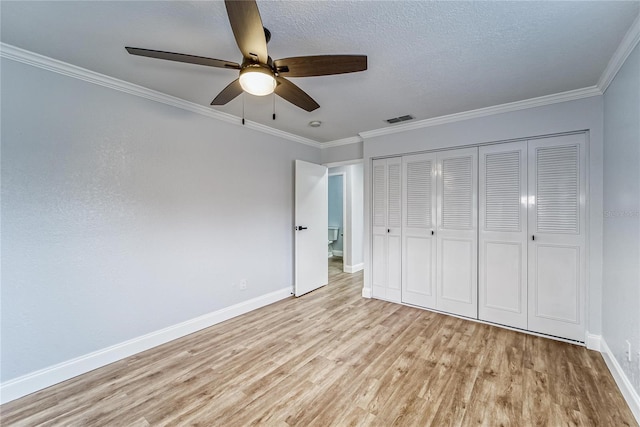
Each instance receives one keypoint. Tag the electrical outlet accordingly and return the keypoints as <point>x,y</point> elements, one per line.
<point>628,350</point>
<point>243,284</point>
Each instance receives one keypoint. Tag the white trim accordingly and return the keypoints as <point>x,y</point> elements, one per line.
<point>624,49</point>
<point>30,383</point>
<point>366,293</point>
<point>628,43</point>
<point>343,141</point>
<point>337,253</point>
<point>343,163</point>
<point>593,342</point>
<point>571,95</point>
<point>625,386</point>
<point>353,268</point>
<point>40,61</point>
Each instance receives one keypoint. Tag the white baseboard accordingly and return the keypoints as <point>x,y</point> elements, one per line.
<point>593,342</point>
<point>336,252</point>
<point>625,386</point>
<point>353,268</point>
<point>366,292</point>
<point>38,380</point>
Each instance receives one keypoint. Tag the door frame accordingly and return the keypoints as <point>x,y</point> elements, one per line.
<point>346,227</point>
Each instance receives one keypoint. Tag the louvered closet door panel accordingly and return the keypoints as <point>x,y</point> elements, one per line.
<point>418,227</point>
<point>557,192</point>
<point>394,228</point>
<point>379,229</point>
<point>502,268</point>
<point>386,239</point>
<point>457,232</point>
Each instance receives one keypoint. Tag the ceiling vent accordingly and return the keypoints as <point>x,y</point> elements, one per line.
<point>400,119</point>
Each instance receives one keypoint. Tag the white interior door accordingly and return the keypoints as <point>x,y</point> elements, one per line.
<point>418,230</point>
<point>502,234</point>
<point>457,233</point>
<point>557,227</point>
<point>311,206</point>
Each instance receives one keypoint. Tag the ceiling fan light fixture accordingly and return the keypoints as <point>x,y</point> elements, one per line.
<point>257,80</point>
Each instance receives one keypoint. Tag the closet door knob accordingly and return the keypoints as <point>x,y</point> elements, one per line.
<point>433,232</point>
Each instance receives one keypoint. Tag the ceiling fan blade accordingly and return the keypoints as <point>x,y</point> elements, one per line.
<point>321,65</point>
<point>246,24</point>
<point>228,93</point>
<point>181,57</point>
<point>295,95</point>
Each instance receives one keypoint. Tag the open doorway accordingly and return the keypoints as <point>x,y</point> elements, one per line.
<point>345,217</point>
<point>337,221</point>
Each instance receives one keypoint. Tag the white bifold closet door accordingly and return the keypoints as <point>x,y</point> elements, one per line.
<point>557,241</point>
<point>418,230</point>
<point>386,245</point>
<point>502,234</point>
<point>457,232</point>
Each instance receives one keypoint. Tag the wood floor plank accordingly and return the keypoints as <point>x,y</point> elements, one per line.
<point>333,358</point>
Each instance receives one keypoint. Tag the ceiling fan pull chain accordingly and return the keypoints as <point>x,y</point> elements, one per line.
<point>243,108</point>
<point>274,105</point>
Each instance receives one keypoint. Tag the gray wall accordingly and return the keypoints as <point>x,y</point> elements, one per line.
<point>584,114</point>
<point>342,153</point>
<point>621,296</point>
<point>122,216</point>
<point>357,197</point>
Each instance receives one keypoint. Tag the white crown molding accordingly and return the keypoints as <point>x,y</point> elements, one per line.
<point>40,61</point>
<point>343,141</point>
<point>621,54</point>
<point>276,132</point>
<point>555,98</point>
<point>627,45</point>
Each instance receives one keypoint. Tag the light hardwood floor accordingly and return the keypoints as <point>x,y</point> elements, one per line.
<point>332,358</point>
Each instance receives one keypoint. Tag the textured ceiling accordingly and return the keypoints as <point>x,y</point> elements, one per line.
<point>426,59</point>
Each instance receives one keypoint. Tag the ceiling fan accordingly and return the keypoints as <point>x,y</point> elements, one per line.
<point>259,74</point>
